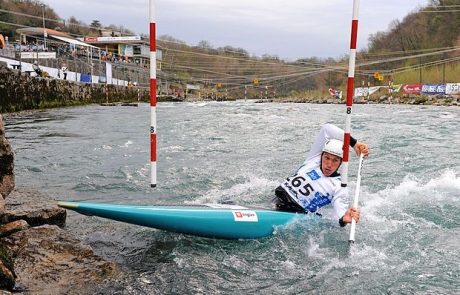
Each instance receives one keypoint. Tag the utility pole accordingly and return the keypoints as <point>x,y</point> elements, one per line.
<point>20,52</point>
<point>44,28</point>
<point>444,69</point>
<point>420,70</point>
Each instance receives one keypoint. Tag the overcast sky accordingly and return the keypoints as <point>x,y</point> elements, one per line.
<point>290,29</point>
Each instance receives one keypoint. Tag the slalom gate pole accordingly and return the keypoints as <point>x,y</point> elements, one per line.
<point>351,239</point>
<point>350,91</point>
<point>349,104</point>
<point>153,96</point>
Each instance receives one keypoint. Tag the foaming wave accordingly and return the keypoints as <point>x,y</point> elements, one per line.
<point>412,206</point>
<point>447,115</point>
<point>139,176</point>
<point>174,148</point>
<point>362,252</point>
<point>127,144</point>
<point>413,188</point>
<point>166,105</point>
<point>197,104</point>
<point>103,147</point>
<point>244,193</point>
<point>405,111</point>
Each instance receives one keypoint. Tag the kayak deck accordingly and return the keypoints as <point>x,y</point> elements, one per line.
<point>210,220</point>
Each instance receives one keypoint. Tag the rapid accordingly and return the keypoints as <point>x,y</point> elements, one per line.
<point>210,152</point>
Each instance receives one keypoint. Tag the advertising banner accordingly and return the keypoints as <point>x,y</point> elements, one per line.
<point>126,50</point>
<point>395,87</point>
<point>335,93</point>
<point>90,39</point>
<point>360,91</point>
<point>434,88</point>
<point>112,39</point>
<point>363,91</point>
<point>33,55</point>
<point>192,87</point>
<point>453,88</point>
<point>108,72</point>
<point>85,78</point>
<point>414,88</point>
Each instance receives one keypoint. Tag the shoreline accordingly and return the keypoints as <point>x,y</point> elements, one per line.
<point>428,100</point>
<point>40,256</point>
<point>416,101</point>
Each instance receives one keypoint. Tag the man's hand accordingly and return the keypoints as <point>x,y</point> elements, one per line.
<point>351,214</point>
<point>361,148</point>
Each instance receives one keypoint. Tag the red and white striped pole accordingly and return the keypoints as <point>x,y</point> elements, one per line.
<point>153,96</point>
<point>350,91</point>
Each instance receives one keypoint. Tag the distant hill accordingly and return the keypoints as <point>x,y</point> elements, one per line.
<point>232,71</point>
<point>25,13</point>
<point>435,26</point>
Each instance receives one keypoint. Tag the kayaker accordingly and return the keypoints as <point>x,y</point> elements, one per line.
<point>317,182</point>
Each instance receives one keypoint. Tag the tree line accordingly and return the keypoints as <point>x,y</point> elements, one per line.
<point>233,69</point>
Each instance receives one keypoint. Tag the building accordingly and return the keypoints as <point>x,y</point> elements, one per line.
<point>128,49</point>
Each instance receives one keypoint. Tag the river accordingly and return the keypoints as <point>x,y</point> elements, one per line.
<point>406,243</point>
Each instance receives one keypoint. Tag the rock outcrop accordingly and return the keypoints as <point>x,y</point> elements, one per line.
<point>48,260</point>
<point>33,207</point>
<point>38,257</point>
<point>7,275</point>
<point>12,227</point>
<point>20,91</point>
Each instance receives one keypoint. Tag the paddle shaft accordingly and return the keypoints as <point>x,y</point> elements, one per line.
<point>356,199</point>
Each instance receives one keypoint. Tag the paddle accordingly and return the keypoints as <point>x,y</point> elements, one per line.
<point>355,201</point>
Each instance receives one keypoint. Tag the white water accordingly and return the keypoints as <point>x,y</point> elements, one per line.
<point>406,243</point>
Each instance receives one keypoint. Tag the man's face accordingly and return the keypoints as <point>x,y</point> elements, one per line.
<point>330,163</point>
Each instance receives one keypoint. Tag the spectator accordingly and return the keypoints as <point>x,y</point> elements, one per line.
<point>64,71</point>
<point>37,69</point>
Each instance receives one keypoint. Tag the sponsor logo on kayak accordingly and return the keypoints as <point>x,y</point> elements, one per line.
<point>245,215</point>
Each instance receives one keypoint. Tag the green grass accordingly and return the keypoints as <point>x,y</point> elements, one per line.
<point>449,73</point>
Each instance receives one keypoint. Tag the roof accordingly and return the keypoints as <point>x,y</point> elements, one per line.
<point>73,41</point>
<point>39,32</point>
<point>52,33</point>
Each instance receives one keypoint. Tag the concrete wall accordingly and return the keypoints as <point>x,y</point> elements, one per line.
<point>19,91</point>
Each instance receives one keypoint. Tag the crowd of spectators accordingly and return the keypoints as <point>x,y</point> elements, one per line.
<point>70,51</point>
<point>71,57</point>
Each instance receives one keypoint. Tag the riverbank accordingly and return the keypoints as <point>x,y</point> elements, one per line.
<point>20,91</point>
<point>38,256</point>
<point>383,99</point>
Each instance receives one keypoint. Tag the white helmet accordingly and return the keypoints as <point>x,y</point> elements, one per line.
<point>334,147</point>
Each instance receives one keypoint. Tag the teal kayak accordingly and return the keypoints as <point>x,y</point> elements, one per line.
<point>211,220</point>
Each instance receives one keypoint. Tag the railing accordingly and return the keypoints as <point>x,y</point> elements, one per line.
<point>84,64</point>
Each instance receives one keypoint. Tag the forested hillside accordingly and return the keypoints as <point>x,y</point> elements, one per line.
<point>423,47</point>
<point>435,26</point>
<point>425,42</point>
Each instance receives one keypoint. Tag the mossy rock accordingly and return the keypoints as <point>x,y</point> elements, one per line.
<point>5,258</point>
<point>7,276</point>
<point>421,100</point>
